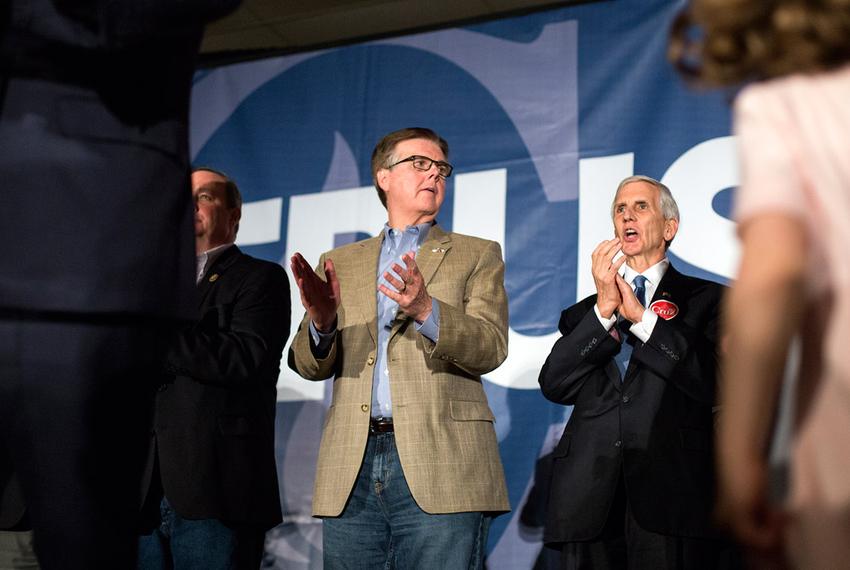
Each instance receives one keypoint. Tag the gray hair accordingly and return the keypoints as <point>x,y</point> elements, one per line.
<point>668,204</point>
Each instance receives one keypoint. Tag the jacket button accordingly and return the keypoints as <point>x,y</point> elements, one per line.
<point>370,361</point>
<point>364,408</point>
<point>626,399</point>
<point>618,443</point>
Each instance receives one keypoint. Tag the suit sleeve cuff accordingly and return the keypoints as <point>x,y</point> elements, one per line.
<point>322,342</point>
<point>430,327</point>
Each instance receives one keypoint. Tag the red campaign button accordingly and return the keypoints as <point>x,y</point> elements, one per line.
<point>664,309</point>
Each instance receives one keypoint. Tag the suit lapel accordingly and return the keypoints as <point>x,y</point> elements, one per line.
<point>364,277</point>
<point>221,264</point>
<point>668,288</point>
<point>432,252</point>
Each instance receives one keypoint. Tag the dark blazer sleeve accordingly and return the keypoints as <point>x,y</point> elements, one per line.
<point>584,349</point>
<point>684,351</point>
<point>239,332</point>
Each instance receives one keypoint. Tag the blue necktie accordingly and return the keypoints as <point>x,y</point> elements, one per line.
<point>640,289</point>
<point>626,337</point>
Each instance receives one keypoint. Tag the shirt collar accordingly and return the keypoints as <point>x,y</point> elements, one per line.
<point>653,274</point>
<point>206,258</point>
<point>419,230</point>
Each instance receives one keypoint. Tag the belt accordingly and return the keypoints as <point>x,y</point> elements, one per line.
<point>382,425</point>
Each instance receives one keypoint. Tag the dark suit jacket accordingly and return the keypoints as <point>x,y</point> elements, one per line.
<point>96,214</point>
<point>214,425</point>
<point>96,219</point>
<point>655,429</point>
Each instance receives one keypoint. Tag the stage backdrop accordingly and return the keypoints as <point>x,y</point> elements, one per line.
<point>544,114</point>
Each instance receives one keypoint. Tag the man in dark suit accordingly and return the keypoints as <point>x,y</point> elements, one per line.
<point>96,263</point>
<point>632,480</point>
<point>211,477</point>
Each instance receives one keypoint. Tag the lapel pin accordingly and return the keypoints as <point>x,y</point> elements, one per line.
<point>213,277</point>
<point>438,250</point>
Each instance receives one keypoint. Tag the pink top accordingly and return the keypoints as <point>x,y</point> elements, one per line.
<point>794,141</point>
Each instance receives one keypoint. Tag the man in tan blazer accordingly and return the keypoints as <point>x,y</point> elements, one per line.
<point>409,474</point>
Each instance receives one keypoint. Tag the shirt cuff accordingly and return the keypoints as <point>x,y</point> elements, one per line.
<point>430,327</point>
<point>321,341</point>
<point>643,328</point>
<point>607,323</point>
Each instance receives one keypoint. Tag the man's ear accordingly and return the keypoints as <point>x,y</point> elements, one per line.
<point>381,176</point>
<point>671,226</point>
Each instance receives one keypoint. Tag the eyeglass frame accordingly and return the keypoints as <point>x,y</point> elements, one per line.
<point>432,161</point>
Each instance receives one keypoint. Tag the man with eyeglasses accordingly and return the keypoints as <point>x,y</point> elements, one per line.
<point>409,474</point>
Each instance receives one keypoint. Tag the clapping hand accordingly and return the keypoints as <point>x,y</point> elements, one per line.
<point>410,292</point>
<point>320,298</point>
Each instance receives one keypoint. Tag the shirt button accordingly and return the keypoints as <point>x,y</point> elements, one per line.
<point>618,443</point>
<point>364,408</point>
<point>370,361</point>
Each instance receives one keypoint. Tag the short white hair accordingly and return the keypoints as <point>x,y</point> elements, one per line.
<point>668,204</point>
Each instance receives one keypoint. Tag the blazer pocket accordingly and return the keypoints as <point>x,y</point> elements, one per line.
<point>468,411</point>
<point>236,426</point>
<point>563,447</point>
<point>695,439</point>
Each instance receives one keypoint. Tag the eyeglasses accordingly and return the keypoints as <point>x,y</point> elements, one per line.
<point>424,164</point>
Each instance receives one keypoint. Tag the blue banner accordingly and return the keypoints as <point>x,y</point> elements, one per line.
<point>544,115</point>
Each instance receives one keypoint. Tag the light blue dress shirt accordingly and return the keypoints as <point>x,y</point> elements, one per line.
<point>395,244</point>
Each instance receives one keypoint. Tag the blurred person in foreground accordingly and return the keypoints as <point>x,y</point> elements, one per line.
<point>792,207</point>
<point>97,257</point>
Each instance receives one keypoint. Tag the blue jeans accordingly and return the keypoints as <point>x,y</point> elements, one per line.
<point>382,527</point>
<point>205,544</point>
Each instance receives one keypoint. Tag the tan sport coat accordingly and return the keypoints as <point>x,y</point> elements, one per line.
<point>443,424</point>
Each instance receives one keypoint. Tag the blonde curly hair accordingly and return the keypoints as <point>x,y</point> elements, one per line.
<point>727,42</point>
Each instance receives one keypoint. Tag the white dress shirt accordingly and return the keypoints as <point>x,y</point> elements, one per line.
<point>206,259</point>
